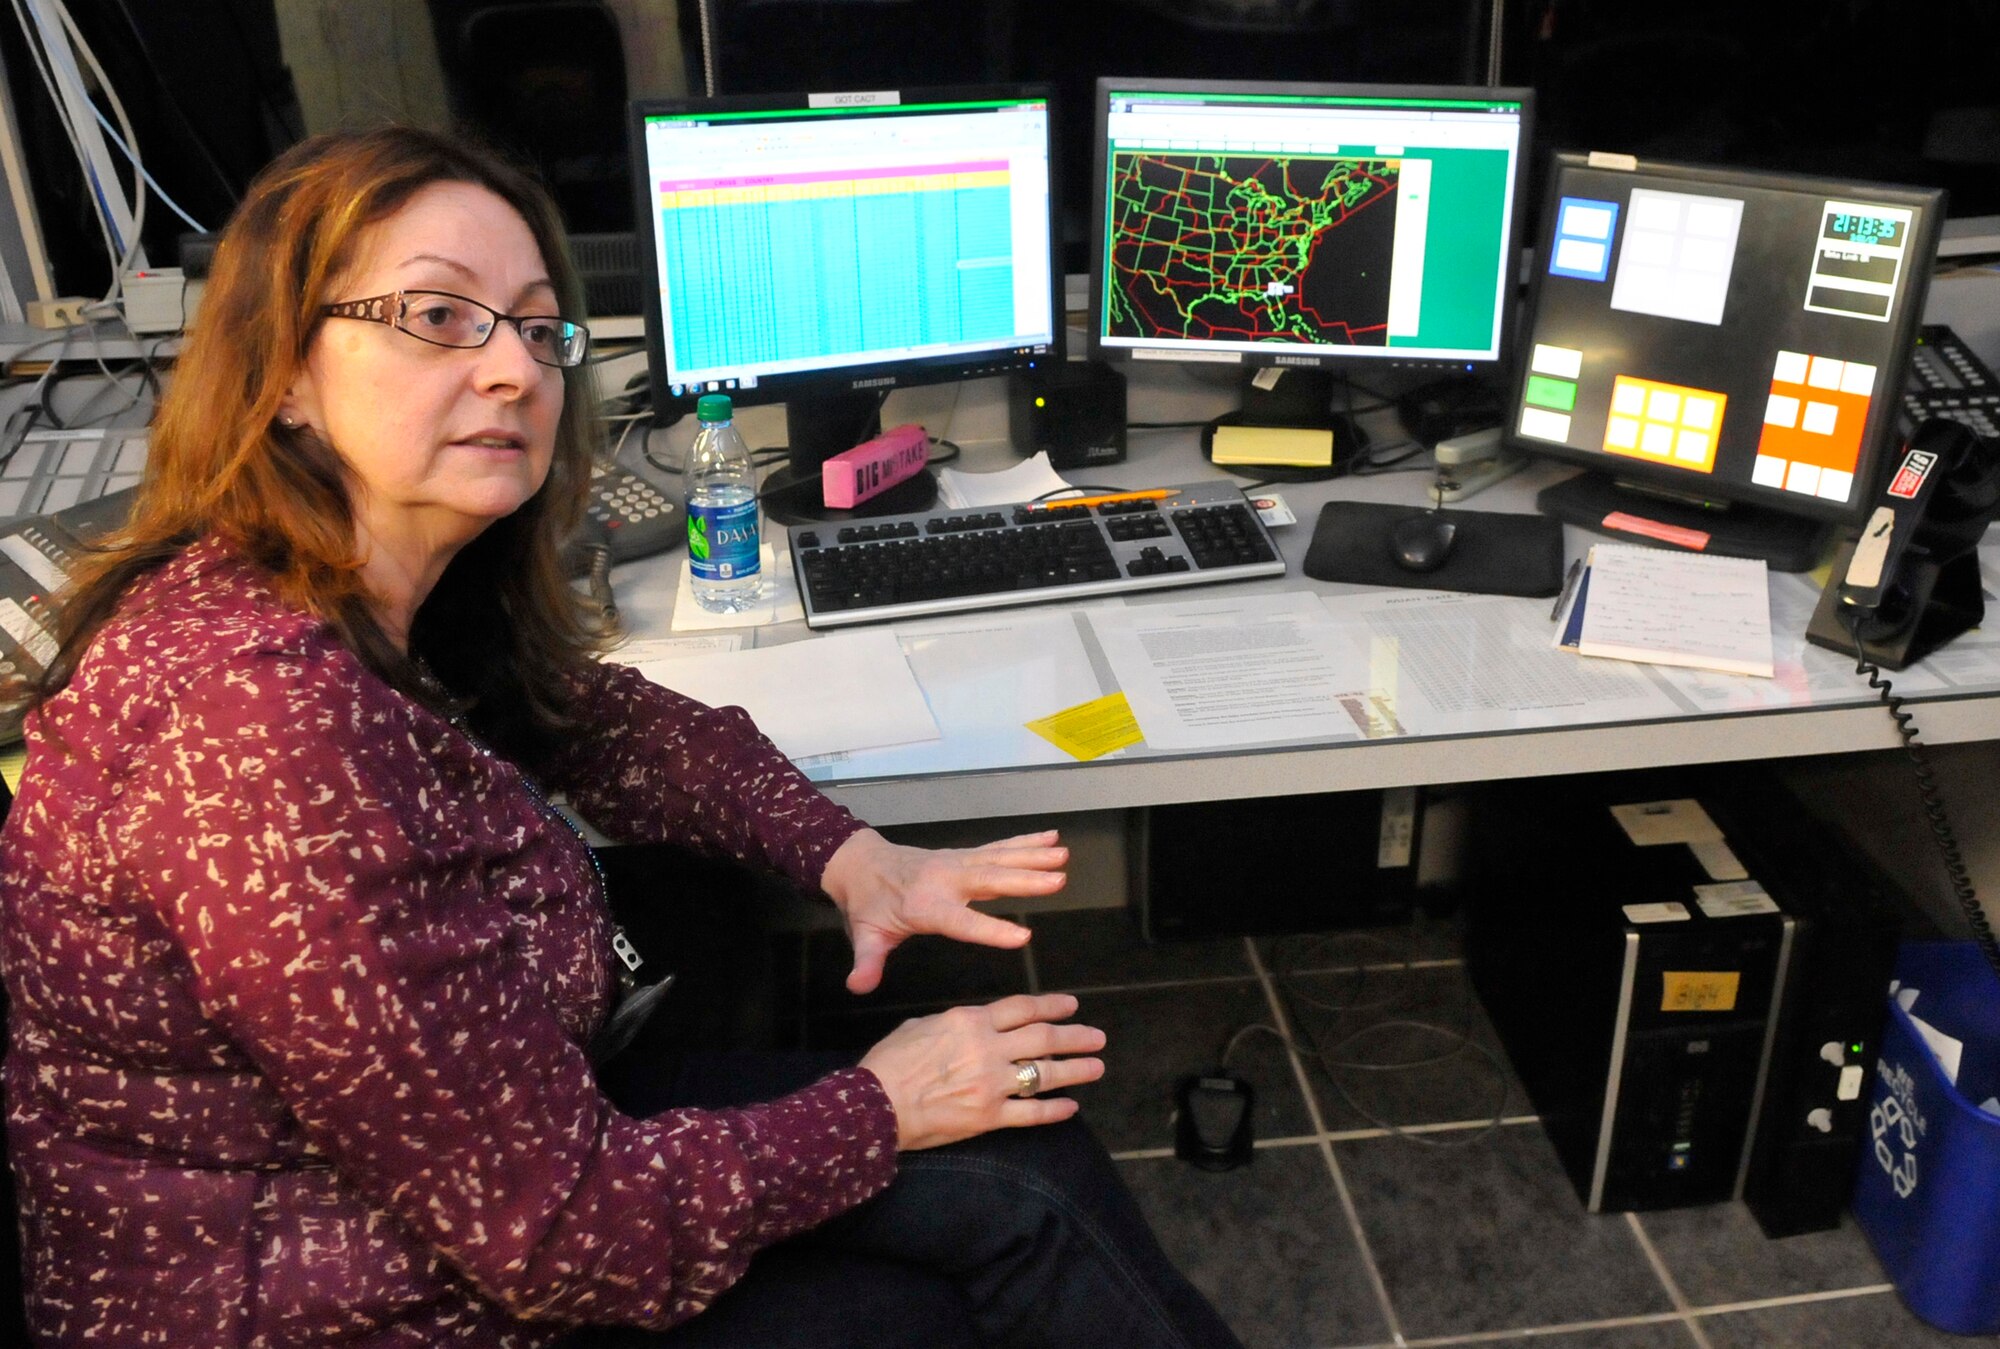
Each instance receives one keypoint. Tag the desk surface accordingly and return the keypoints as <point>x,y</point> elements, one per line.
<point>988,766</point>
<point>1519,707</point>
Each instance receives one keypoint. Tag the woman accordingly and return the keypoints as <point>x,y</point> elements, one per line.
<point>303,967</point>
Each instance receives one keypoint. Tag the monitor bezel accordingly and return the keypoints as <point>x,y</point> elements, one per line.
<point>872,376</point>
<point>1877,433</point>
<point>1352,359</point>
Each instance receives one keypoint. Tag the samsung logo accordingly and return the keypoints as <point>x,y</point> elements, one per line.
<point>886,382</point>
<point>1295,360</point>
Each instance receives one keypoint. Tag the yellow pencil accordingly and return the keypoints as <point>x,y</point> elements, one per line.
<point>1149,494</point>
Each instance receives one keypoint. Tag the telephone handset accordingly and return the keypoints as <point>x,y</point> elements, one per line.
<point>1908,581</point>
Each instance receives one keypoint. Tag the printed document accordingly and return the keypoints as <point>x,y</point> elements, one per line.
<point>1209,674</point>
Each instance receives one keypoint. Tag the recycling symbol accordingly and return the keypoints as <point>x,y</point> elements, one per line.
<point>1889,1116</point>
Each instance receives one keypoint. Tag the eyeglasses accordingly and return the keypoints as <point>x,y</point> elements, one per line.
<point>447,320</point>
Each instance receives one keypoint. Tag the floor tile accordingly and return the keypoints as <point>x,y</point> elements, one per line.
<point>1874,1321</point>
<point>1718,1254</point>
<point>1267,1244</point>
<point>922,970</point>
<point>1157,1036</point>
<point>1650,1335</point>
<point>1491,1236</point>
<point>1086,948</point>
<point>1337,1017</point>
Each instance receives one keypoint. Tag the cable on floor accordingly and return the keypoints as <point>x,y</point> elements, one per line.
<point>1335,1052</point>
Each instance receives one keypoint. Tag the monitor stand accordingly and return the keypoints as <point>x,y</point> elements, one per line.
<point>817,427</point>
<point>1591,499</point>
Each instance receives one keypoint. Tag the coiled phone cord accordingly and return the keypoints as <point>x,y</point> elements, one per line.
<point>1934,807</point>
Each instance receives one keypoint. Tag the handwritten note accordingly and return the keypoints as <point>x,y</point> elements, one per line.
<point>1670,608</point>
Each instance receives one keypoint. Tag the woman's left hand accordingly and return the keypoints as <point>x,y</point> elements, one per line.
<point>887,891</point>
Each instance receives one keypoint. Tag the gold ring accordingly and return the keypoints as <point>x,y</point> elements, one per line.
<point>1027,1077</point>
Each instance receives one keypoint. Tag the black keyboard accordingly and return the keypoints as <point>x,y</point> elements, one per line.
<point>945,561</point>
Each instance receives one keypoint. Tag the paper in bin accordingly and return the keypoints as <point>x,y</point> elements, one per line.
<point>1948,1049</point>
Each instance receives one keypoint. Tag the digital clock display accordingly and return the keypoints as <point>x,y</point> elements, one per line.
<point>1856,228</point>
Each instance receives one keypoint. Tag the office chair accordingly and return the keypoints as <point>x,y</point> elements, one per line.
<point>545,78</point>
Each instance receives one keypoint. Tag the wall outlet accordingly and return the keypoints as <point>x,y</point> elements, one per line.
<point>66,312</point>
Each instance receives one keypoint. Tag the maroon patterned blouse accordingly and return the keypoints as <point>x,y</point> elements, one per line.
<point>299,979</point>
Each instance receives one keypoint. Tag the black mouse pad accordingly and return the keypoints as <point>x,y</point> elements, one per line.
<point>1495,553</point>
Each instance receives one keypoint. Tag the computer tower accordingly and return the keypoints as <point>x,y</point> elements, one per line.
<point>1275,864</point>
<point>1688,972</point>
<point>1849,919</point>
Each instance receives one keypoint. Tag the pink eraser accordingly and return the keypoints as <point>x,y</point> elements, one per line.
<point>851,477</point>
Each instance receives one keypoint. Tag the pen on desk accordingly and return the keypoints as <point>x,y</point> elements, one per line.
<point>1569,588</point>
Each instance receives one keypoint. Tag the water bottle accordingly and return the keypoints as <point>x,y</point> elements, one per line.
<point>723,536</point>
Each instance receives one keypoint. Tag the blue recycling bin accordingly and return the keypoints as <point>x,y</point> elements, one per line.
<point>1928,1187</point>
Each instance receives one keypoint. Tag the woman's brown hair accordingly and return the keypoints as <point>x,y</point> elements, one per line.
<point>503,630</point>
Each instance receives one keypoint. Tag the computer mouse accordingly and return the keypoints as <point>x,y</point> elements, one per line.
<point>1422,542</point>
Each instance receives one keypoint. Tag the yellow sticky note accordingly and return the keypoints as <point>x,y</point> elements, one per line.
<point>1293,446</point>
<point>1699,990</point>
<point>1093,728</point>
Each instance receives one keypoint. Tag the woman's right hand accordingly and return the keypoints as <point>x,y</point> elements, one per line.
<point>954,1075</point>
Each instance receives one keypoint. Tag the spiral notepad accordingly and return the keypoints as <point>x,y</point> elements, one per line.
<point>1671,608</point>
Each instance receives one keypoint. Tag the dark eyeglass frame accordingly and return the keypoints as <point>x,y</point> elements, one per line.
<point>393,309</point>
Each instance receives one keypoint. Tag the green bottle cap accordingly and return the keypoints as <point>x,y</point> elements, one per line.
<point>712,407</point>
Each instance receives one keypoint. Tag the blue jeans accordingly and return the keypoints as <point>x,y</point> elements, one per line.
<point>1021,1237</point>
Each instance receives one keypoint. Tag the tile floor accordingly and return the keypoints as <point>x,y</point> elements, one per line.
<point>1342,1233</point>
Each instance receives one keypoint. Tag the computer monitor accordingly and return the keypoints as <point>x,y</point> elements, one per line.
<point>821,249</point>
<point>1723,348</point>
<point>1312,227</point>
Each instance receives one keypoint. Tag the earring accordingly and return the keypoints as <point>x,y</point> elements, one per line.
<point>289,423</point>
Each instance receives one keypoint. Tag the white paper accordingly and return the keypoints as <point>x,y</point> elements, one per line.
<point>780,603</point>
<point>1672,608</point>
<point>1452,664</point>
<point>1734,899</point>
<point>1206,674</point>
<point>645,650</point>
<point>1650,823</point>
<point>985,676</point>
<point>847,691</point>
<point>1719,860</point>
<point>1948,1050</point>
<point>1032,478</point>
<point>1657,913</point>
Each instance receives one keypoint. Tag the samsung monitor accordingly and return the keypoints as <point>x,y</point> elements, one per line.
<point>822,249</point>
<point>1306,226</point>
<point>1721,348</point>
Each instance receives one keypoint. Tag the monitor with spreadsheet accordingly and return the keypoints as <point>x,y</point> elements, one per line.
<point>1723,347</point>
<point>822,249</point>
<point>1298,225</point>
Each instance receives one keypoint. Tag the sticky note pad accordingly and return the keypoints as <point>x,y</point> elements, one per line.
<point>1091,729</point>
<point>1293,446</point>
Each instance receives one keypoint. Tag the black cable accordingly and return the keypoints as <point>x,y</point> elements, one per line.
<point>1927,789</point>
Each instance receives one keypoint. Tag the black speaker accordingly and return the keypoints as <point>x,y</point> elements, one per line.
<point>1072,411</point>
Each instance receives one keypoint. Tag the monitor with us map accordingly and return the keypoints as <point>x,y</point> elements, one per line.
<point>1306,225</point>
